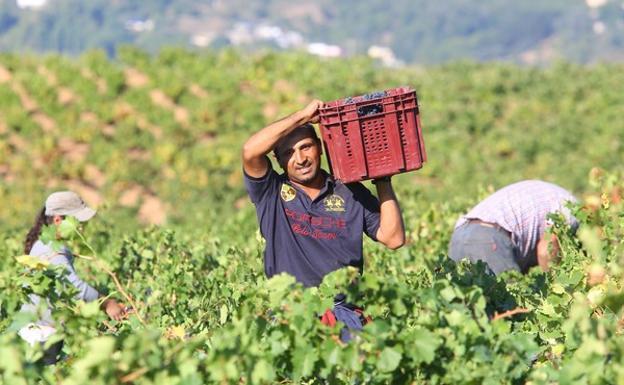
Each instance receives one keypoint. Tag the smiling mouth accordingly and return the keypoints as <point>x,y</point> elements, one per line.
<point>305,170</point>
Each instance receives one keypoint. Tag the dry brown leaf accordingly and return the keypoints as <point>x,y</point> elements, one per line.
<point>100,83</point>
<point>161,99</point>
<point>135,78</point>
<point>109,130</point>
<point>65,96</point>
<point>94,176</point>
<point>181,115</point>
<point>130,197</point>
<point>87,73</point>
<point>168,173</point>
<point>53,183</point>
<point>17,142</point>
<point>49,76</point>
<point>616,195</point>
<point>38,163</point>
<point>88,117</point>
<point>241,203</point>
<point>72,150</point>
<point>138,154</point>
<point>143,124</point>
<point>27,102</point>
<point>122,110</point>
<point>197,91</point>
<point>270,110</point>
<point>284,86</point>
<point>46,123</point>
<point>152,211</point>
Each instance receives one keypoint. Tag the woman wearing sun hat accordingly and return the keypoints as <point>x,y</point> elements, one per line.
<point>58,206</point>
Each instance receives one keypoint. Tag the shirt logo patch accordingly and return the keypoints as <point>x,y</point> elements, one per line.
<point>334,203</point>
<point>288,193</point>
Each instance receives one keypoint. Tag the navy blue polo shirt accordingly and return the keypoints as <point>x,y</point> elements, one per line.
<point>311,238</point>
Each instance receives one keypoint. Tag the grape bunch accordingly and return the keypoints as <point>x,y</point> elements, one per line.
<point>361,98</point>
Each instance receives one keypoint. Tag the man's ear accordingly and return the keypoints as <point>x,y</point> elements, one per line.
<point>57,219</point>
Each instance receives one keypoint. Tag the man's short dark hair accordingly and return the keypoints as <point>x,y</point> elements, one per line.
<point>305,131</point>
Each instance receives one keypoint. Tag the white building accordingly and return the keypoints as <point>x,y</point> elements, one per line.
<point>596,3</point>
<point>139,25</point>
<point>385,55</point>
<point>324,50</point>
<point>31,3</point>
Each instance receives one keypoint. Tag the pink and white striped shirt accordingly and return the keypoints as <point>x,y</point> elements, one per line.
<point>522,209</point>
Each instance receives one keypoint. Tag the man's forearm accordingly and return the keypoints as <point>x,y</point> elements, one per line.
<point>391,229</point>
<point>263,141</point>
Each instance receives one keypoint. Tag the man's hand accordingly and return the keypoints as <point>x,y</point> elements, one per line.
<point>114,309</point>
<point>547,250</point>
<point>310,113</point>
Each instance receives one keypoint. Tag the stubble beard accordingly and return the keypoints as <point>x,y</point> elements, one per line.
<point>308,179</point>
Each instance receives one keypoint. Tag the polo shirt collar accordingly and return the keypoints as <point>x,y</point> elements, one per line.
<point>330,184</point>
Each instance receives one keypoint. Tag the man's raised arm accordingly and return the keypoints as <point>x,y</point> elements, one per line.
<point>262,142</point>
<point>391,230</point>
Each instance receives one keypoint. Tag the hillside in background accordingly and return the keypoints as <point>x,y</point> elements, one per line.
<point>156,139</point>
<point>401,31</point>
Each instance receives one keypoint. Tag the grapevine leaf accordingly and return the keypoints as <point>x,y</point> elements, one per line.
<point>304,359</point>
<point>48,236</point>
<point>223,314</point>
<point>68,227</point>
<point>388,360</point>
<point>425,344</point>
<point>99,351</point>
<point>89,309</point>
<point>32,262</point>
<point>262,373</point>
<point>614,302</point>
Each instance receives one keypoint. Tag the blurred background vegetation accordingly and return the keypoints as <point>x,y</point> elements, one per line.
<point>156,138</point>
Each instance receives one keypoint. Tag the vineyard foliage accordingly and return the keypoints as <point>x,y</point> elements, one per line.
<point>156,140</point>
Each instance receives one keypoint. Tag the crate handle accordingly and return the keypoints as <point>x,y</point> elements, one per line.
<point>370,109</point>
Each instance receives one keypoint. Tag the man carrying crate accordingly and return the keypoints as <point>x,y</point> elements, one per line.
<point>312,223</point>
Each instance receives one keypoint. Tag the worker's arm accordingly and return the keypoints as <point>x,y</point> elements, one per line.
<point>262,142</point>
<point>391,231</point>
<point>547,250</point>
<point>85,291</point>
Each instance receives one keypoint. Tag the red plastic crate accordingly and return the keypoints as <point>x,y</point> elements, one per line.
<point>367,138</point>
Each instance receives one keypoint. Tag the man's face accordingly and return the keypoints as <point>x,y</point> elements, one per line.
<point>300,157</point>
